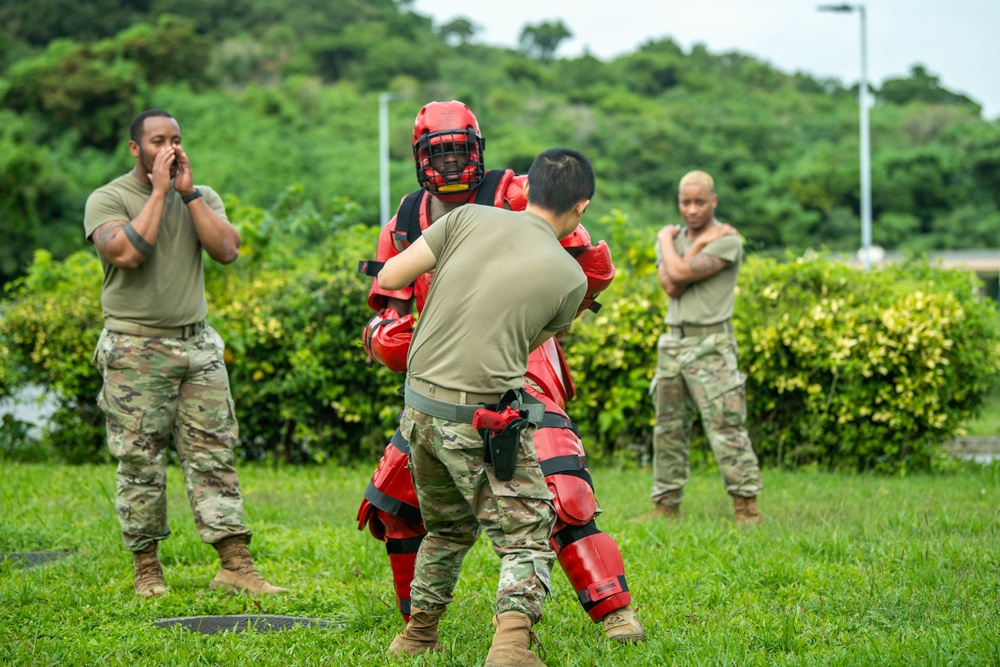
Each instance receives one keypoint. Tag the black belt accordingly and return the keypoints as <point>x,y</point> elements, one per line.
<point>685,330</point>
<point>133,329</point>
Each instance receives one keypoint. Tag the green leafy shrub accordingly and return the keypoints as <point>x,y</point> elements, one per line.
<point>863,370</point>
<point>291,310</point>
<point>845,369</point>
<point>47,337</point>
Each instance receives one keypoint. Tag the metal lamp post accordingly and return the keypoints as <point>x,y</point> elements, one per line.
<point>383,155</point>
<point>866,170</point>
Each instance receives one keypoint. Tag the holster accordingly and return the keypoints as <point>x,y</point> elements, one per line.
<point>500,425</point>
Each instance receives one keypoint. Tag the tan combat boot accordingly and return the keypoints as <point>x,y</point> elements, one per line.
<point>148,573</point>
<point>237,573</point>
<point>623,626</point>
<point>512,642</point>
<point>420,634</point>
<point>667,506</point>
<point>662,511</point>
<point>746,510</point>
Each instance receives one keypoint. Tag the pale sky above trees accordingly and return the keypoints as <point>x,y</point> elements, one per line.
<point>953,39</point>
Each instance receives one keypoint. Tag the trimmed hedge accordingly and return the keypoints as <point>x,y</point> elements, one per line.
<point>846,369</point>
<point>291,311</point>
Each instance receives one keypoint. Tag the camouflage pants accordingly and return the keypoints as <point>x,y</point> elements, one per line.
<point>459,498</point>
<point>700,373</point>
<point>155,389</point>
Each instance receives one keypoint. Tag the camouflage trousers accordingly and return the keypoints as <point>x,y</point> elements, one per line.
<point>459,498</point>
<point>700,373</point>
<point>155,389</point>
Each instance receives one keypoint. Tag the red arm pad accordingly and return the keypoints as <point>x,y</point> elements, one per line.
<point>599,269</point>
<point>576,242</point>
<point>387,339</point>
<point>510,194</point>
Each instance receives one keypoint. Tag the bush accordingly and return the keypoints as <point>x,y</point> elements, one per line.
<point>47,337</point>
<point>867,371</point>
<point>863,370</point>
<point>846,369</point>
<point>291,311</point>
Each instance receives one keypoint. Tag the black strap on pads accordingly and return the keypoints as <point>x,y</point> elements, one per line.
<point>408,219</point>
<point>486,195</point>
<point>370,267</point>
<point>556,420</point>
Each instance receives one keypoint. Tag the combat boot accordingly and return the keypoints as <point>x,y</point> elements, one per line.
<point>623,626</point>
<point>667,506</point>
<point>663,511</point>
<point>512,642</point>
<point>237,573</point>
<point>746,510</point>
<point>148,573</point>
<point>420,634</point>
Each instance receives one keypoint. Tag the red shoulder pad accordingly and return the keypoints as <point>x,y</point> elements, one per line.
<point>510,193</point>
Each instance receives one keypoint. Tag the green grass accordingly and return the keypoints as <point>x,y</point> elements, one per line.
<point>847,570</point>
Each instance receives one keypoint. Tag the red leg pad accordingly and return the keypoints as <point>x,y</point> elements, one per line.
<point>593,564</point>
<point>401,543</point>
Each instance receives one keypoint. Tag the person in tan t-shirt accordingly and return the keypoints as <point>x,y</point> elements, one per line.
<point>163,369</point>
<point>502,286</point>
<point>696,366</point>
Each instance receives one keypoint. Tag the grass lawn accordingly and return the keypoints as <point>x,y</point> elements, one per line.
<point>848,570</point>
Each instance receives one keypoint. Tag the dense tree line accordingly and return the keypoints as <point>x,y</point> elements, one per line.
<point>296,89</point>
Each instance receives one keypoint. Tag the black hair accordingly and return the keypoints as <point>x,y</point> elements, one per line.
<point>559,178</point>
<point>138,123</point>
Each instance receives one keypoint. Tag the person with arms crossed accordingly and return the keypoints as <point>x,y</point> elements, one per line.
<point>163,369</point>
<point>448,152</point>
<point>696,366</point>
<point>502,285</point>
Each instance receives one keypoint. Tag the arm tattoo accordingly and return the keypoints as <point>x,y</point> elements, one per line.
<point>705,265</point>
<point>102,235</point>
<point>135,238</point>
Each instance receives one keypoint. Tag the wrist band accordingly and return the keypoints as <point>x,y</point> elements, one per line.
<point>187,199</point>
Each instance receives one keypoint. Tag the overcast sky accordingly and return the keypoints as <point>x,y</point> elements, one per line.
<point>956,40</point>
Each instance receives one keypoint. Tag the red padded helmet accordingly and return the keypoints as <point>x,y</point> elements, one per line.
<point>448,150</point>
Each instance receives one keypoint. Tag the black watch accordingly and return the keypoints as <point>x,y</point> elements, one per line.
<point>187,199</point>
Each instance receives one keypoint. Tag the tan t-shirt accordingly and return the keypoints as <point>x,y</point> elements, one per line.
<point>501,278</point>
<point>708,301</point>
<point>168,289</point>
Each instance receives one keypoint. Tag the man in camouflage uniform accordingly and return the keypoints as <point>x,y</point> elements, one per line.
<point>502,286</point>
<point>163,369</point>
<point>696,366</point>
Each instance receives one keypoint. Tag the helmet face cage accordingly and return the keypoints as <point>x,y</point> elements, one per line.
<point>449,161</point>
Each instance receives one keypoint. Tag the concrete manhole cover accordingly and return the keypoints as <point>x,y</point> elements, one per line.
<point>33,558</point>
<point>211,625</point>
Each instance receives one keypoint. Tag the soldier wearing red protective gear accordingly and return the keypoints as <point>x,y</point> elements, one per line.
<point>448,151</point>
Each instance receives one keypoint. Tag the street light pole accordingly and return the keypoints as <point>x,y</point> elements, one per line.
<point>866,168</point>
<point>383,156</point>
